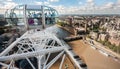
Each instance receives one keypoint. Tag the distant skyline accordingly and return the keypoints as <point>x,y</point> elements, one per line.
<point>71,6</point>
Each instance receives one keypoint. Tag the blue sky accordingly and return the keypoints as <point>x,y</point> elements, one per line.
<point>65,2</point>
<point>71,6</point>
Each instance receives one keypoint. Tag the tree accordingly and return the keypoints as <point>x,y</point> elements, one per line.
<point>115,48</point>
<point>110,46</point>
<point>118,49</point>
<point>61,23</point>
<point>103,42</point>
<point>107,43</point>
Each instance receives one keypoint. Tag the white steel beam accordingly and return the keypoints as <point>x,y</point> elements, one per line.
<point>5,65</point>
<point>6,51</point>
<point>27,59</point>
<point>25,17</point>
<point>60,67</point>
<point>47,59</point>
<point>30,63</point>
<point>31,54</point>
<point>43,17</point>
<point>53,60</point>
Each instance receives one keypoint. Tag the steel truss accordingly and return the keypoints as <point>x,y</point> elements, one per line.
<point>36,44</point>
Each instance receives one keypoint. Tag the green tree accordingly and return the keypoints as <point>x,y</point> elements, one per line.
<point>115,48</point>
<point>110,46</point>
<point>103,42</point>
<point>118,48</point>
<point>61,23</point>
<point>107,43</point>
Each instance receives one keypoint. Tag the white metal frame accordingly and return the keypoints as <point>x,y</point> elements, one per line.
<point>37,41</point>
<point>37,44</point>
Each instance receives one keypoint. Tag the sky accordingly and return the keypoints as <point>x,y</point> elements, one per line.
<point>71,6</point>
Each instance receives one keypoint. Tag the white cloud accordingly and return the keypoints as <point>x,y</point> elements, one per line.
<point>9,0</point>
<point>38,3</point>
<point>118,4</point>
<point>6,4</point>
<point>53,0</point>
<point>108,8</point>
<point>109,5</point>
<point>46,3</point>
<point>90,0</point>
<point>88,7</point>
<point>5,0</point>
<point>118,1</point>
<point>41,3</point>
<point>68,10</point>
<point>90,4</point>
<point>64,10</point>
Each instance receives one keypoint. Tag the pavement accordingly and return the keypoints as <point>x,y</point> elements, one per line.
<point>105,50</point>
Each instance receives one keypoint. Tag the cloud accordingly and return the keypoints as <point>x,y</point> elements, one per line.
<point>41,3</point>
<point>46,3</point>
<point>118,1</point>
<point>5,0</point>
<point>9,0</point>
<point>118,4</point>
<point>67,10</point>
<point>38,3</point>
<point>53,0</point>
<point>90,8</point>
<point>7,4</point>
<point>59,8</point>
<point>109,5</point>
<point>90,1</point>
